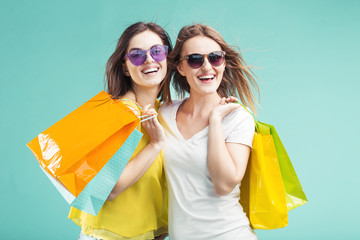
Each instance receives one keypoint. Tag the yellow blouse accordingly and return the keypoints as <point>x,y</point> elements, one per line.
<point>138,213</point>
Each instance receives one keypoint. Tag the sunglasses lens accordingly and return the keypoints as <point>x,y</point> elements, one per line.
<point>195,60</point>
<point>159,52</point>
<point>216,58</point>
<point>137,57</point>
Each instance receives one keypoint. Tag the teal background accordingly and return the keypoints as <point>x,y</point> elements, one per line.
<point>53,56</point>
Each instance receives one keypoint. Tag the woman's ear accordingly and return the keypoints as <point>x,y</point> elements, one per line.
<point>180,69</point>
<point>126,71</point>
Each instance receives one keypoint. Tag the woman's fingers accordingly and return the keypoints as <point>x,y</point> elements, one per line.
<point>156,122</point>
<point>148,113</point>
<point>154,130</point>
<point>150,116</point>
<point>231,99</point>
<point>151,122</point>
<point>146,107</point>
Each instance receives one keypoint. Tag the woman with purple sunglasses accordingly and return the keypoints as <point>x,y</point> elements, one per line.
<point>137,206</point>
<point>209,137</point>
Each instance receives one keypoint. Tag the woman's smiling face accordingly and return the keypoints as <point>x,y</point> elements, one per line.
<point>206,79</point>
<point>151,72</point>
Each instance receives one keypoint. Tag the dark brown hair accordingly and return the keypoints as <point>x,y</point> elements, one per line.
<point>238,79</point>
<point>117,82</point>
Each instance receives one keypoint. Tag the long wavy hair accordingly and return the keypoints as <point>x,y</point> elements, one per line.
<point>238,79</point>
<point>117,83</point>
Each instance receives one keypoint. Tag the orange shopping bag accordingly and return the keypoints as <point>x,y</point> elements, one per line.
<point>76,148</point>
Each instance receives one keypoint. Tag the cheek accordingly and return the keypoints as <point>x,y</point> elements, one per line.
<point>164,66</point>
<point>133,70</point>
<point>189,71</point>
<point>128,67</point>
<point>221,70</point>
<point>191,75</point>
<point>128,64</point>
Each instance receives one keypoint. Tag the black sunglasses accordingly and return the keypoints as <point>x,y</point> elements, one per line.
<point>196,60</point>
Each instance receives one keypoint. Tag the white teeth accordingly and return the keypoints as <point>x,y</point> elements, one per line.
<point>151,70</point>
<point>206,77</point>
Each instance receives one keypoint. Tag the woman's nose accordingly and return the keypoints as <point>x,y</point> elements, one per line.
<point>149,58</point>
<point>206,65</point>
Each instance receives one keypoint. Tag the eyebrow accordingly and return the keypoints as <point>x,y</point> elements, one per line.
<point>131,49</point>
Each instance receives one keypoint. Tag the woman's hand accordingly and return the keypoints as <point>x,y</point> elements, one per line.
<point>153,128</point>
<point>226,106</point>
<point>143,160</point>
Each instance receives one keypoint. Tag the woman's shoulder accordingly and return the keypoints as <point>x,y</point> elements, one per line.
<point>132,104</point>
<point>239,115</point>
<point>167,107</point>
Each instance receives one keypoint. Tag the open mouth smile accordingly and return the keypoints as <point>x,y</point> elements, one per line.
<point>149,70</point>
<point>207,77</point>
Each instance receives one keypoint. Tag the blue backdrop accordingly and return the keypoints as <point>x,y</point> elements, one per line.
<point>53,56</point>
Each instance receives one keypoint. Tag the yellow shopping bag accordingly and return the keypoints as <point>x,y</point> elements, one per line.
<point>77,147</point>
<point>262,192</point>
<point>270,187</point>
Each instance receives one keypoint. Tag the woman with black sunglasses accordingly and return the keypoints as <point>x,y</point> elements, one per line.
<point>137,206</point>
<point>209,137</point>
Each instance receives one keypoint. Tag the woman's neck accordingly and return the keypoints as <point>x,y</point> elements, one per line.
<point>143,96</point>
<point>200,105</point>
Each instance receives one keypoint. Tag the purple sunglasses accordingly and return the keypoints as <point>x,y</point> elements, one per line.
<point>138,56</point>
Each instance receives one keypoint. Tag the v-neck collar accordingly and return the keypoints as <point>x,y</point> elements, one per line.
<point>197,135</point>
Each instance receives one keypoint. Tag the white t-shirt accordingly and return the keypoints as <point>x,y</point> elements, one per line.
<point>195,211</point>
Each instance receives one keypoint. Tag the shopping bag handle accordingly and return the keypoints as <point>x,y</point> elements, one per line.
<point>142,118</point>
<point>252,114</point>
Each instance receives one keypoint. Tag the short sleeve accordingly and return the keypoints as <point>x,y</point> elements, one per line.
<point>239,127</point>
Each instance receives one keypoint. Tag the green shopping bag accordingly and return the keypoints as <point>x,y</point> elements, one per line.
<point>294,193</point>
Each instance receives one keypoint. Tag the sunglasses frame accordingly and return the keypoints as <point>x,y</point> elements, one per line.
<point>203,58</point>
<point>128,55</point>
